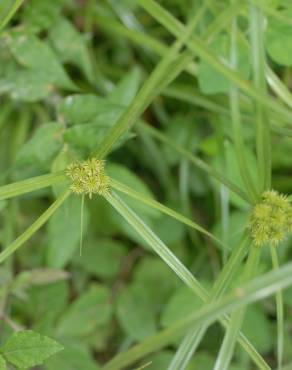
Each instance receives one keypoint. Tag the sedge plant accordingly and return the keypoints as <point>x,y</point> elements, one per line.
<point>203,69</point>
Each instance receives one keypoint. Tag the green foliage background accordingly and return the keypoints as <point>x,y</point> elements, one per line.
<point>69,71</point>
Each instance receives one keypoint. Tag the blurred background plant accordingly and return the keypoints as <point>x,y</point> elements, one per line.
<point>189,102</point>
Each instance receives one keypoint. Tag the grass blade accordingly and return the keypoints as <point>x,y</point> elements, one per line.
<point>32,184</point>
<point>280,311</point>
<point>191,341</point>
<point>161,249</point>
<point>197,162</point>
<point>167,69</point>
<point>33,228</point>
<point>255,290</point>
<point>226,351</point>
<point>170,212</point>
<point>156,244</point>
<point>198,47</point>
<point>10,13</point>
<point>262,120</point>
<point>236,121</point>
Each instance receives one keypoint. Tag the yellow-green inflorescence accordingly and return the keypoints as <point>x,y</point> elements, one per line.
<point>271,219</point>
<point>88,177</point>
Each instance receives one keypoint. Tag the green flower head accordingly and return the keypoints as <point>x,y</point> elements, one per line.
<point>270,220</point>
<point>88,177</point>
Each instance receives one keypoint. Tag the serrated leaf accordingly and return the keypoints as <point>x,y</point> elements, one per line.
<point>77,109</point>
<point>92,118</point>
<point>37,57</point>
<point>91,310</point>
<point>25,349</point>
<point>42,147</point>
<point>71,46</point>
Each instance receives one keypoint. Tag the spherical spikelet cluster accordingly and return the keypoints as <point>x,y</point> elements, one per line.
<point>271,219</point>
<point>88,177</point>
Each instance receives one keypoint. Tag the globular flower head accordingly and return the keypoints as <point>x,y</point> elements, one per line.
<point>88,177</point>
<point>270,220</point>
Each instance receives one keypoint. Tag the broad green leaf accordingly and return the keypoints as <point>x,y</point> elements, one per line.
<point>278,41</point>
<point>83,138</point>
<point>85,108</point>
<point>26,85</point>
<point>169,230</point>
<point>42,147</point>
<point>102,258</point>
<point>181,304</point>
<point>135,313</point>
<point>74,357</point>
<point>211,81</point>
<point>91,310</point>
<point>99,116</point>
<point>159,361</point>
<point>26,349</point>
<point>282,153</point>
<point>147,272</point>
<point>2,363</point>
<point>255,290</point>
<point>45,303</point>
<point>70,46</point>
<point>61,243</point>
<point>126,89</point>
<point>39,15</point>
<point>262,338</point>
<point>39,64</point>
<point>181,137</point>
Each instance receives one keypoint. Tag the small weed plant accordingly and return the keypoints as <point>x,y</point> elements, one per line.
<point>156,135</point>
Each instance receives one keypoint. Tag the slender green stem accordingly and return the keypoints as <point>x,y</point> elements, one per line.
<point>81,223</point>
<point>178,268</point>
<point>198,47</point>
<point>154,204</point>
<point>262,121</point>
<point>255,290</point>
<point>236,122</point>
<point>32,184</point>
<point>197,162</point>
<point>193,338</point>
<point>226,351</point>
<point>280,311</point>
<point>159,247</point>
<point>17,243</point>
<point>167,69</point>
<point>13,9</point>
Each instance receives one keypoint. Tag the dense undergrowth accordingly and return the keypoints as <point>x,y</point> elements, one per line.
<point>145,169</point>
